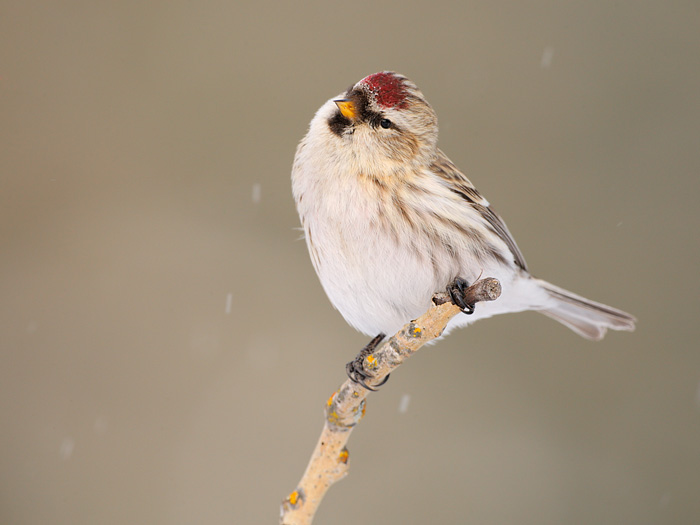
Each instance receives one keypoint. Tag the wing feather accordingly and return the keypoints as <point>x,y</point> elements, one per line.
<point>462,186</point>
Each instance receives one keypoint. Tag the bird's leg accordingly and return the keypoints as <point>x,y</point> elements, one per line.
<point>355,368</point>
<point>457,289</point>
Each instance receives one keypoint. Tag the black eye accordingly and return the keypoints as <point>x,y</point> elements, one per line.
<point>385,123</point>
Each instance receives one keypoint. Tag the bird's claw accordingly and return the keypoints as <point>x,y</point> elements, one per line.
<point>457,289</point>
<point>355,368</point>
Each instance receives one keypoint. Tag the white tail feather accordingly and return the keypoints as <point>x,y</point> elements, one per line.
<point>585,317</point>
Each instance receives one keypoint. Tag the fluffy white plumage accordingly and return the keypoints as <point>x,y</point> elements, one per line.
<point>389,220</point>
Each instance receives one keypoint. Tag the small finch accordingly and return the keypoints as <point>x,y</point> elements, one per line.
<point>389,220</point>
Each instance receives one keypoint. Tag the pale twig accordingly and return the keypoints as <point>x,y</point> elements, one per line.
<point>345,408</point>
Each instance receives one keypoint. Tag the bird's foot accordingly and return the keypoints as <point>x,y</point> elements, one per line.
<point>355,368</point>
<point>457,290</point>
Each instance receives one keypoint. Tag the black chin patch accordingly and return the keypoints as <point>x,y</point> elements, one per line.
<point>338,123</point>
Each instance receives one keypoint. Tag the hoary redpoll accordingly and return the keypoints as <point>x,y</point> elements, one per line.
<point>389,220</point>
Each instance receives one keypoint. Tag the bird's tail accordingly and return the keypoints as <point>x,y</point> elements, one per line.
<point>587,318</point>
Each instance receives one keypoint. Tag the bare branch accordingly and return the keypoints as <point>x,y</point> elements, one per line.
<point>345,408</point>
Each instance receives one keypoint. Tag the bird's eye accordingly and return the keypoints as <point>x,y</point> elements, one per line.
<point>385,123</point>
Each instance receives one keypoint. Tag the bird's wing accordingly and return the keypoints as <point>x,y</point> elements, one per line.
<point>457,182</point>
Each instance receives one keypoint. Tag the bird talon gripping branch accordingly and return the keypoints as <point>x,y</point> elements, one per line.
<point>458,290</point>
<point>356,368</point>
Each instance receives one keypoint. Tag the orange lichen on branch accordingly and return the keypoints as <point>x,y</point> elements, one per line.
<point>293,497</point>
<point>371,361</point>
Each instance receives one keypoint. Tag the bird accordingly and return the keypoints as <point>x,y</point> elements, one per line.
<point>389,220</point>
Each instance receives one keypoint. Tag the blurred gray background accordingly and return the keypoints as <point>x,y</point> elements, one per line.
<point>166,348</point>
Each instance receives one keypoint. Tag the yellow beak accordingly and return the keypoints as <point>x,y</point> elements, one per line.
<point>346,107</point>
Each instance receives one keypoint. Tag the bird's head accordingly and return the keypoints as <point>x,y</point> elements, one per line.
<point>384,123</point>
